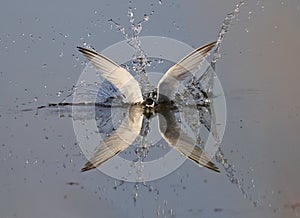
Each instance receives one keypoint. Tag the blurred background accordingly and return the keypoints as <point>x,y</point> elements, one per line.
<point>40,160</point>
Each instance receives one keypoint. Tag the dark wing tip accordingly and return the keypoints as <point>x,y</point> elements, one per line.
<point>86,50</point>
<point>81,49</point>
<point>212,166</point>
<point>202,159</point>
<point>87,166</point>
<point>207,47</point>
<point>212,44</point>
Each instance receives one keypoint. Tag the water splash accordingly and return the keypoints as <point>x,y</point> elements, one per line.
<point>139,58</point>
<point>138,65</point>
<point>210,74</point>
<point>228,21</point>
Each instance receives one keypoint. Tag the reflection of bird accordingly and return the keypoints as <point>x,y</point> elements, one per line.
<point>170,130</point>
<point>120,139</point>
<point>156,103</point>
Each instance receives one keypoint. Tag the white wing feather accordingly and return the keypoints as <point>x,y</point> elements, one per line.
<point>186,67</point>
<point>115,74</point>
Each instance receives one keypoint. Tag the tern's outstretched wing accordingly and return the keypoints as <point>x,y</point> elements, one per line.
<point>181,141</point>
<point>119,140</point>
<point>170,82</point>
<point>115,74</point>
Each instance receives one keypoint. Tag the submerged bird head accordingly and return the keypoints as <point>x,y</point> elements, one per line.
<point>149,107</point>
<point>149,104</point>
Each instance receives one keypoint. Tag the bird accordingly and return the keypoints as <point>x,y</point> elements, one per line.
<point>157,102</point>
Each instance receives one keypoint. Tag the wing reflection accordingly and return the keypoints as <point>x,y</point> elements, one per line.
<point>177,138</point>
<point>120,139</point>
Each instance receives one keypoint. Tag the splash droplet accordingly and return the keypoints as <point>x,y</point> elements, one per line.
<point>59,93</point>
<point>146,17</point>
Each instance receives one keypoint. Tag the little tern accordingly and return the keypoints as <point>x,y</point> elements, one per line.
<point>159,102</point>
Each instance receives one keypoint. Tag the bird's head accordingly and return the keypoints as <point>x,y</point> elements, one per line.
<point>149,103</point>
<point>149,107</point>
<point>150,100</point>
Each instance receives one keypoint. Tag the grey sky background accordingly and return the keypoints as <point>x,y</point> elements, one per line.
<point>259,72</point>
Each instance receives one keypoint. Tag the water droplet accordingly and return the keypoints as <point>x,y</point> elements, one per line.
<point>59,93</point>
<point>61,54</point>
<point>64,35</point>
<point>146,17</point>
<point>89,34</point>
<point>130,15</point>
<point>122,30</point>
